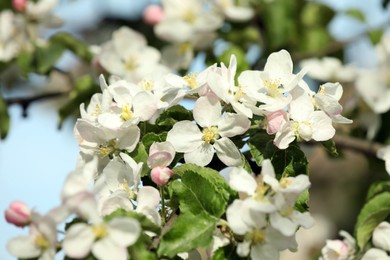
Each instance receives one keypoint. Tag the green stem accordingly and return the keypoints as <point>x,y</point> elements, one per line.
<point>163,216</point>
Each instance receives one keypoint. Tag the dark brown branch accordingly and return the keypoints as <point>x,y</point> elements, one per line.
<point>25,102</point>
<point>365,147</point>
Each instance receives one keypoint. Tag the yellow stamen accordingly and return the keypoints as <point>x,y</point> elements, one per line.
<point>239,94</point>
<point>147,84</point>
<point>107,148</point>
<point>257,236</point>
<point>126,114</point>
<point>274,87</point>
<point>189,16</point>
<point>286,212</point>
<point>131,63</point>
<point>191,80</point>
<point>100,231</point>
<point>210,135</point>
<point>41,242</point>
<point>125,187</point>
<point>184,47</point>
<point>285,182</point>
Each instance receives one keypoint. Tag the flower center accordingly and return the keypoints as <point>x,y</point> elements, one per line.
<point>274,87</point>
<point>100,231</point>
<point>285,182</point>
<point>125,187</point>
<point>126,114</point>
<point>147,84</point>
<point>184,47</point>
<point>107,148</point>
<point>239,94</point>
<point>210,134</point>
<point>286,212</point>
<point>257,236</point>
<point>191,80</point>
<point>189,16</point>
<point>41,242</point>
<point>131,63</point>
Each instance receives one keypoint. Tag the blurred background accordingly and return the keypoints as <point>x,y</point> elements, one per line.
<point>36,157</point>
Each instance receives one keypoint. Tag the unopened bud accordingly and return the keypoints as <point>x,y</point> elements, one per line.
<point>18,213</point>
<point>161,175</point>
<point>153,14</point>
<point>20,5</point>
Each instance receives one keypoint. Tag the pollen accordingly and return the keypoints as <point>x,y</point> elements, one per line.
<point>210,135</point>
<point>189,16</point>
<point>257,236</point>
<point>100,231</point>
<point>274,87</point>
<point>107,149</point>
<point>285,182</point>
<point>147,84</point>
<point>126,114</point>
<point>96,111</point>
<point>286,212</point>
<point>41,242</point>
<point>125,187</point>
<point>184,47</point>
<point>321,90</point>
<point>131,63</point>
<point>239,94</point>
<point>191,80</point>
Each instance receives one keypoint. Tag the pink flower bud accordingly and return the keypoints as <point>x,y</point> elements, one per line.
<point>18,214</point>
<point>275,121</point>
<point>161,175</point>
<point>19,5</point>
<point>153,14</point>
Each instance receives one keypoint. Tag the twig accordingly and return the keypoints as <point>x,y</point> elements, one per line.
<point>359,145</point>
<point>25,102</point>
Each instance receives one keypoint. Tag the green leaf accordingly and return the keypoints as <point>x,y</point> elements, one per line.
<point>315,14</point>
<point>140,155</point>
<point>291,161</point>
<point>227,252</point>
<point>236,50</point>
<point>375,36</point>
<point>25,62</point>
<point>150,138</point>
<point>4,119</point>
<point>330,147</point>
<point>301,203</point>
<point>146,224</point>
<point>203,196</point>
<point>357,14</point>
<point>373,212</point>
<point>173,114</point>
<point>188,232</point>
<point>47,56</point>
<point>140,250</point>
<point>76,46</point>
<point>208,185</point>
<point>315,39</point>
<point>261,147</point>
<point>377,188</point>
<point>82,91</point>
<point>246,164</point>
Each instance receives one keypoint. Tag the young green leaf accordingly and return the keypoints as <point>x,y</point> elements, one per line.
<point>374,211</point>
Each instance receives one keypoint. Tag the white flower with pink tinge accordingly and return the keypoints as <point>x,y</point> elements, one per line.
<point>339,249</point>
<point>104,240</point>
<point>199,146</point>
<point>160,156</point>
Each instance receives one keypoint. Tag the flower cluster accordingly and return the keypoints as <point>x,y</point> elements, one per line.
<point>19,32</point>
<point>134,138</point>
<point>266,218</point>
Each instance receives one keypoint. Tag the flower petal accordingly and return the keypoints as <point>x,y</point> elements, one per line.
<point>227,152</point>
<point>78,240</point>
<point>124,231</point>
<point>185,136</point>
<point>207,110</point>
<point>201,155</point>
